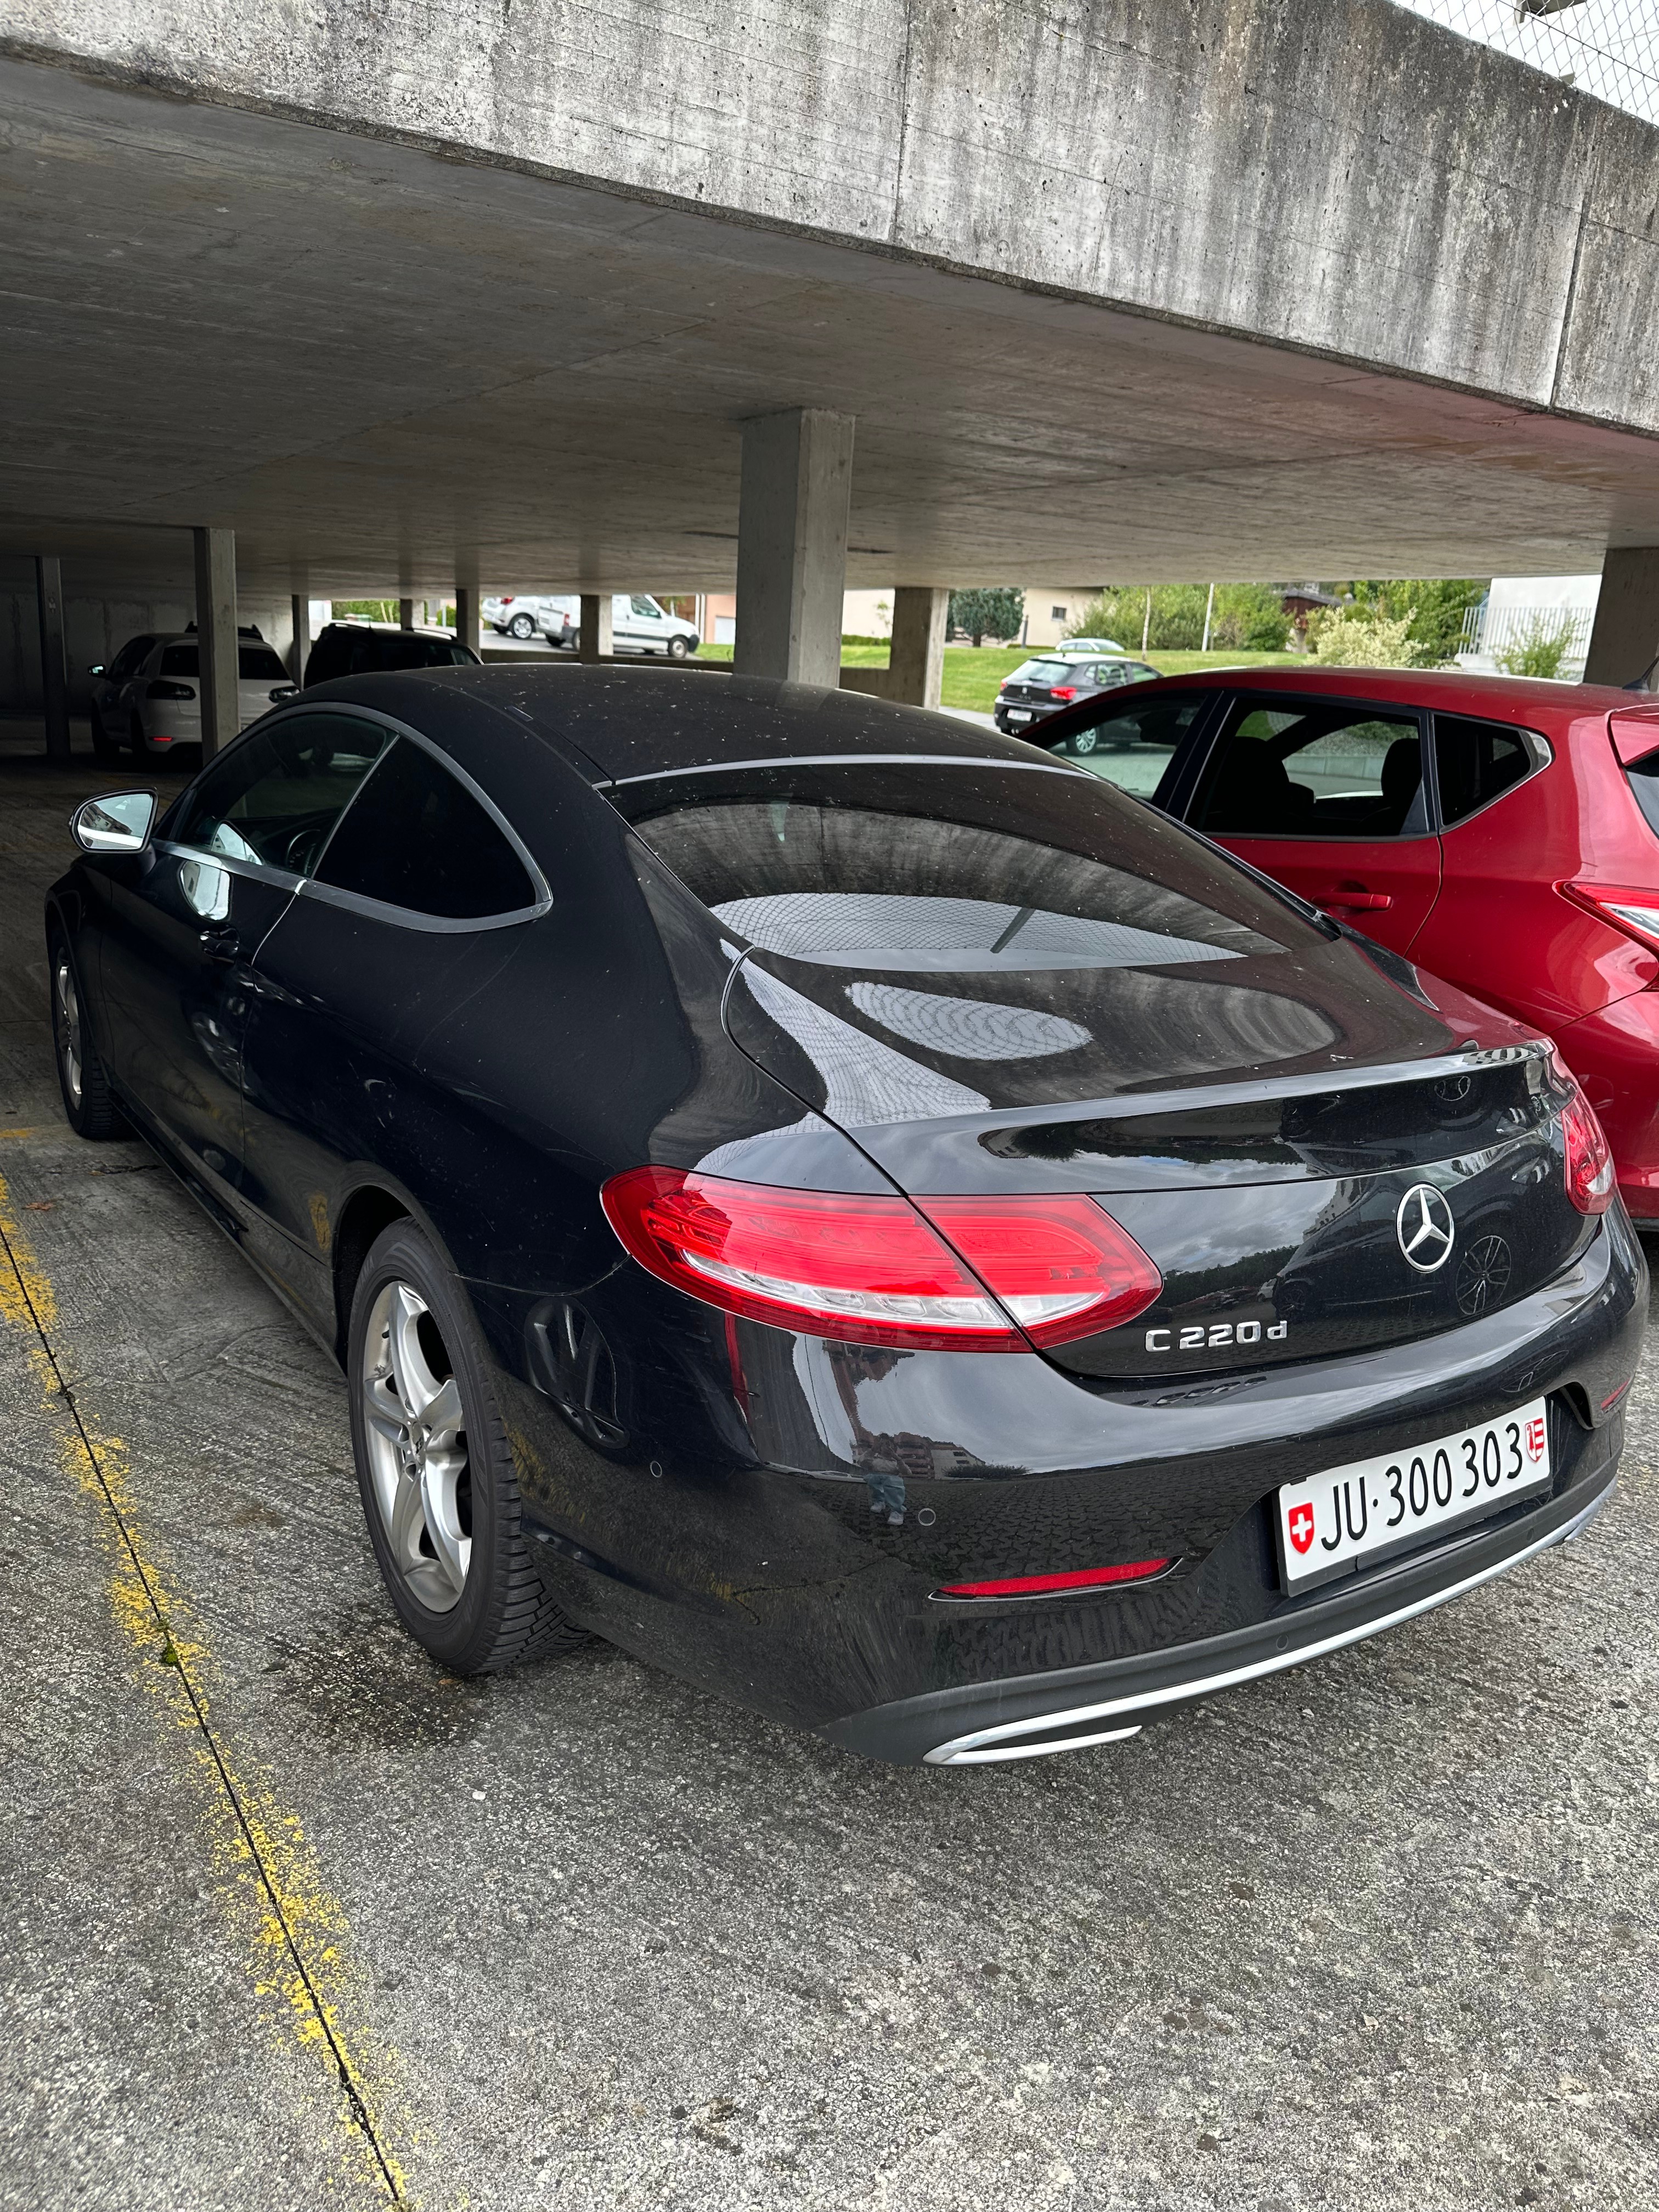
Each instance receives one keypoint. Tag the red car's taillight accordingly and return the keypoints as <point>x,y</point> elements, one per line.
<point>940,1273</point>
<point>1635,913</point>
<point>1591,1176</point>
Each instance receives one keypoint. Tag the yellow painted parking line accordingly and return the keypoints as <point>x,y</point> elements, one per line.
<point>292,1930</point>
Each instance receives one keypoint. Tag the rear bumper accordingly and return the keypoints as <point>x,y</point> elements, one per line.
<point>1614,1053</point>
<point>1068,1710</point>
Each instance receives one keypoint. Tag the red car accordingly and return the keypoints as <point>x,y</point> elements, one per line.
<point>1503,833</point>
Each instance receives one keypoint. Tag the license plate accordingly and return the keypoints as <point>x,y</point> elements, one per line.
<point>1018,714</point>
<point>1375,1507</point>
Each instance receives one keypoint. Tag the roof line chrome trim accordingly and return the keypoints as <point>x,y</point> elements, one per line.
<point>978,1747</point>
<point>853,760</point>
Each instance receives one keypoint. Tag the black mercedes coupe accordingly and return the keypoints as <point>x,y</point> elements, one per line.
<point>849,1206</point>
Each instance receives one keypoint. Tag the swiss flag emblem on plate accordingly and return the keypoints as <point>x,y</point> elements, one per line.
<point>1299,1526</point>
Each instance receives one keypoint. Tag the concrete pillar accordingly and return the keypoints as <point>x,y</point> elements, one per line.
<point>405,614</point>
<point>594,641</point>
<point>1624,640</point>
<point>468,629</point>
<point>791,544</point>
<point>215,637</point>
<point>302,645</point>
<point>54,662</point>
<point>915,660</point>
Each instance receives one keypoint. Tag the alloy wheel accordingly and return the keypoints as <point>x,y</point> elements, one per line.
<point>66,1009</point>
<point>414,1427</point>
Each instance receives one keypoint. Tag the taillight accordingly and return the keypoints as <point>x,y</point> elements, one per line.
<point>1067,691</point>
<point>1634,913</point>
<point>1136,1571</point>
<point>1591,1176</point>
<point>942,1273</point>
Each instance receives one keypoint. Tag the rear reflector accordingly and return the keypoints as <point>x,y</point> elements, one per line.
<point>953,1274</point>
<point>1137,1570</point>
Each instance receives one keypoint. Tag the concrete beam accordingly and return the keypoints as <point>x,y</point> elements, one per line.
<point>1624,639</point>
<point>915,660</point>
<point>215,637</point>
<point>405,614</point>
<point>54,662</point>
<point>593,639</point>
<point>791,544</point>
<point>300,648</point>
<point>468,624</point>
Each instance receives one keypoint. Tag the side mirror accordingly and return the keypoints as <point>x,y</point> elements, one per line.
<point>118,823</point>
<point>95,668</point>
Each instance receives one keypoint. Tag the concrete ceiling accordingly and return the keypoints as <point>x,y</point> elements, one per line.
<point>390,368</point>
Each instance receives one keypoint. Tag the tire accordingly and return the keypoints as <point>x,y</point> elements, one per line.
<point>522,626</point>
<point>1084,742</point>
<point>136,740</point>
<point>677,649</point>
<point>440,1492</point>
<point>89,1106</point>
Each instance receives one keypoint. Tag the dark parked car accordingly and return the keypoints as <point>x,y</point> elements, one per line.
<point>1051,681</point>
<point>377,649</point>
<point>847,1206</point>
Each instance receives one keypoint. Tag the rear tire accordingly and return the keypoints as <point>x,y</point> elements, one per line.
<point>89,1105</point>
<point>136,740</point>
<point>440,1491</point>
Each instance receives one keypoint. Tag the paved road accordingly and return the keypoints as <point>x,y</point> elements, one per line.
<point>1379,1935</point>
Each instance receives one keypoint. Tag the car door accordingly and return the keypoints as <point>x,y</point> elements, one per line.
<point>1329,797</point>
<point>107,683</point>
<point>407,911</point>
<point>1500,928</point>
<point>185,917</point>
<point>261,682</point>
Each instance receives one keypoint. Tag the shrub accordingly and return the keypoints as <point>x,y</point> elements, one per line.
<point>1539,649</point>
<point>1351,639</point>
<point>1250,617</point>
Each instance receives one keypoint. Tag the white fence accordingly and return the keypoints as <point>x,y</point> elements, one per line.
<point>1491,629</point>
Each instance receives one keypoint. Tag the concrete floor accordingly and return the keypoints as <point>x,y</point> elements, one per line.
<point>1381,1934</point>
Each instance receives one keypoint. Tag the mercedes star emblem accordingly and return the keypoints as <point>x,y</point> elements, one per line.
<point>1424,1227</point>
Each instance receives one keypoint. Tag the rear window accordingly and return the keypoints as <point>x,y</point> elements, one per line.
<point>1043,672</point>
<point>1478,762</point>
<point>1643,776</point>
<point>378,652</point>
<point>969,869</point>
<point>255,664</point>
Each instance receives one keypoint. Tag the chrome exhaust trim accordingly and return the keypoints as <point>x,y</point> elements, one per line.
<point>995,1745</point>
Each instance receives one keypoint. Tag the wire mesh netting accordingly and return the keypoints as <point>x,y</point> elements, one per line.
<point>1606,47</point>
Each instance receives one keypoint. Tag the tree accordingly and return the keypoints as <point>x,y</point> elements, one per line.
<point>1539,649</point>
<point>987,613</point>
<point>1431,607</point>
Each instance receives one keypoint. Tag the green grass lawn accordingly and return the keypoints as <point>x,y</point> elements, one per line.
<point>972,673</point>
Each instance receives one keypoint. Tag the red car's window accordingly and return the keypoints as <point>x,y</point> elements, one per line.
<point>1478,762</point>
<point>1295,768</point>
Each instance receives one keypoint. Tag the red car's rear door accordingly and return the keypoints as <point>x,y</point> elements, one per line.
<point>1327,796</point>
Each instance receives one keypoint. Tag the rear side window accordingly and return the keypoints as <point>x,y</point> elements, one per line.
<point>277,793</point>
<point>1643,776</point>
<point>977,869</point>
<point>1132,742</point>
<point>1296,767</point>
<point>1478,762</point>
<point>418,839</point>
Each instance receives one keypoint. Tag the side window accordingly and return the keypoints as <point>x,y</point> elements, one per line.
<point>275,796</point>
<point>261,663</point>
<point>1478,762</point>
<point>1134,740</point>
<point>180,660</point>
<point>1296,767</point>
<point>418,839</point>
<point>648,608</point>
<point>129,659</point>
